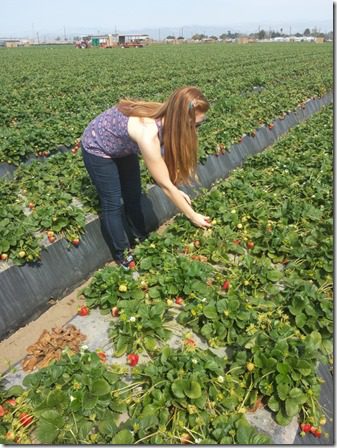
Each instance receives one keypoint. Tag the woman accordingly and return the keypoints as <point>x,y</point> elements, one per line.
<point>165,135</point>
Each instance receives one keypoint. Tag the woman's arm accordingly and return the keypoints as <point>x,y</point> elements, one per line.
<point>150,148</point>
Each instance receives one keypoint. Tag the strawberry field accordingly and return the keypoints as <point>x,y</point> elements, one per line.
<point>219,323</point>
<point>258,285</point>
<point>50,94</point>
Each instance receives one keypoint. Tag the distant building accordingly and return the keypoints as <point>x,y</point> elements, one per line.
<point>117,40</point>
<point>13,42</point>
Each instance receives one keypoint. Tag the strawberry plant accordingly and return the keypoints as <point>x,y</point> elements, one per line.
<point>190,393</point>
<point>76,400</point>
<point>16,416</point>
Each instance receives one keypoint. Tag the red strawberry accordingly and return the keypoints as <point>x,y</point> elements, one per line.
<point>11,401</point>
<point>250,245</point>
<point>132,265</point>
<point>132,359</point>
<point>190,342</point>
<point>2,411</point>
<point>115,311</point>
<point>102,356</point>
<point>179,300</point>
<point>76,242</point>
<point>226,285</point>
<point>83,311</point>
<point>317,433</point>
<point>305,427</point>
<point>26,419</point>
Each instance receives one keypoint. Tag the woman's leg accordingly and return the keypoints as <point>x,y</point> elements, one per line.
<point>105,177</point>
<point>129,174</point>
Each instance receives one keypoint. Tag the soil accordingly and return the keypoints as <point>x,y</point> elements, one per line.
<point>13,349</point>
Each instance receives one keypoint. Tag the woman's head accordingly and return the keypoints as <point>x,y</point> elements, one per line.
<point>187,102</point>
<point>183,110</point>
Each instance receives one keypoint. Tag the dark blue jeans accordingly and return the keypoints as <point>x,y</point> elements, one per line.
<point>117,179</point>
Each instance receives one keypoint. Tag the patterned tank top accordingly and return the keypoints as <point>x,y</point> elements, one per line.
<point>107,135</point>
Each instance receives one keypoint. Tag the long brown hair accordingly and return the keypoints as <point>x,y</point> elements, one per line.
<point>179,132</point>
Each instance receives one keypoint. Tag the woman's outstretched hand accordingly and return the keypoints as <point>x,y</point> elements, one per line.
<point>201,221</point>
<point>197,219</point>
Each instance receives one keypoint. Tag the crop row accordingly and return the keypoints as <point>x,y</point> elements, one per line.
<point>47,201</point>
<point>246,86</point>
<point>259,284</point>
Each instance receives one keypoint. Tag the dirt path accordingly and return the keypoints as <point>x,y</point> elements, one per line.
<point>13,349</point>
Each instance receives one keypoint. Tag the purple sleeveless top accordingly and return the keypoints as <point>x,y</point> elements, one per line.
<point>107,135</point>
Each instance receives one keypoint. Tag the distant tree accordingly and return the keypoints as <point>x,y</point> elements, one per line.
<point>170,37</point>
<point>298,35</point>
<point>198,36</point>
<point>213,37</point>
<point>306,32</point>
<point>229,35</point>
<point>275,34</point>
<point>261,34</point>
<point>181,38</point>
<point>58,38</point>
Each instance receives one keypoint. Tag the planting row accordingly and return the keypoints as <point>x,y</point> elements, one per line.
<point>42,213</point>
<point>246,85</point>
<point>259,284</point>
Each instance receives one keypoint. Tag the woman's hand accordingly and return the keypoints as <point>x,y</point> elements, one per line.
<point>186,197</point>
<point>201,221</point>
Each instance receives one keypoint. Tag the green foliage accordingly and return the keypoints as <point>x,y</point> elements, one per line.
<point>76,400</point>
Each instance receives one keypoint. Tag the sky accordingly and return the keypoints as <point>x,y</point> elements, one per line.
<point>27,17</point>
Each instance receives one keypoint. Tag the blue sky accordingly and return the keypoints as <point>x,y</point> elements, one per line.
<point>28,16</point>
